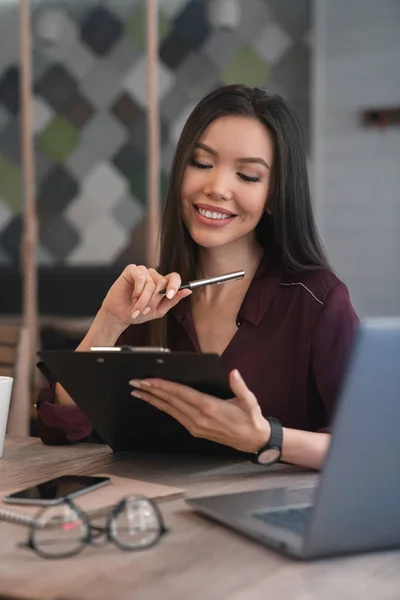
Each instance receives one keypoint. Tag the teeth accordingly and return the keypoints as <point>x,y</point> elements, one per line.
<point>212,215</point>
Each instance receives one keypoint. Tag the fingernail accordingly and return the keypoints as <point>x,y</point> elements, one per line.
<point>136,314</point>
<point>236,375</point>
<point>171,294</point>
<point>135,383</point>
<point>147,310</point>
<point>136,394</point>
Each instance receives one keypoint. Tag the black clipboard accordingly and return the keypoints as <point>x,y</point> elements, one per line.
<point>98,381</point>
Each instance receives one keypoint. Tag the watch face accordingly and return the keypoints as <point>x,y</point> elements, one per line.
<point>269,456</point>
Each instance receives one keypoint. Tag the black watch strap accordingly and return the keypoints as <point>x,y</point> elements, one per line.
<point>274,445</point>
<point>276,437</point>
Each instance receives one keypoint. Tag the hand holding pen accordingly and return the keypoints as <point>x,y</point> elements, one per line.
<point>142,294</point>
<point>193,285</point>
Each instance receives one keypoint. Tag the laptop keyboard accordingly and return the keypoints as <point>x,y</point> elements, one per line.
<point>294,519</point>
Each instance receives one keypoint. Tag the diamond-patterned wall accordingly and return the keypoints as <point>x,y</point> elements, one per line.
<point>90,109</point>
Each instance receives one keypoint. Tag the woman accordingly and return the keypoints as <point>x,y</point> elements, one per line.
<point>238,199</point>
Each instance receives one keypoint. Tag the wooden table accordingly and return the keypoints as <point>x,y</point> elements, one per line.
<point>198,559</point>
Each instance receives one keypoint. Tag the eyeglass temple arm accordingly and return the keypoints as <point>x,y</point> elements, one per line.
<point>10,516</point>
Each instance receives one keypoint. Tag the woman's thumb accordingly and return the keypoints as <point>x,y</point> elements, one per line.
<point>244,396</point>
<point>170,303</point>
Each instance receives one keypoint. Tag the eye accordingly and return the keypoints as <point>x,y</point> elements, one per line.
<point>199,165</point>
<point>248,178</point>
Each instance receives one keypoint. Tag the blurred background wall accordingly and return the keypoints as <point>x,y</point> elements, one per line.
<point>329,58</point>
<point>90,103</point>
<point>357,169</point>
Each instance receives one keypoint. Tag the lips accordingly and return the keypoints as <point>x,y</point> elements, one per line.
<point>212,216</point>
<point>215,209</point>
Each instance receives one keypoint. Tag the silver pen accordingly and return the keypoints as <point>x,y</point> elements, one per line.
<point>192,285</point>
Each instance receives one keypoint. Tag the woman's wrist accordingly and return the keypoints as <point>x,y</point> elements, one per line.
<point>104,331</point>
<point>253,442</point>
<point>261,436</point>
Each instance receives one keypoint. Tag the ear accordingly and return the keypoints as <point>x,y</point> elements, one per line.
<point>268,206</point>
<point>268,210</point>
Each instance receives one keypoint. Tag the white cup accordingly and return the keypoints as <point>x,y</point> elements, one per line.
<point>5,397</point>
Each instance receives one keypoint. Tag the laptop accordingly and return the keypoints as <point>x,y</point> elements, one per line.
<point>356,505</point>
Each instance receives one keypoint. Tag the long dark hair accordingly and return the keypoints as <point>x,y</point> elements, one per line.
<point>291,230</point>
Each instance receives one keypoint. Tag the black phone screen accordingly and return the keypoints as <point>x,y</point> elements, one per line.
<point>60,487</point>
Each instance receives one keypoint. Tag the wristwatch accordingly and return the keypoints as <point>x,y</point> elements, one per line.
<point>272,451</point>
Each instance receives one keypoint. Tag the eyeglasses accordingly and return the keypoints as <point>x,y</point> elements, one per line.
<point>64,530</point>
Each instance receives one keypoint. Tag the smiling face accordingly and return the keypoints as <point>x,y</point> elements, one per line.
<point>225,185</point>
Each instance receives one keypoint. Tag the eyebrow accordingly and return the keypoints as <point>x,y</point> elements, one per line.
<point>247,160</point>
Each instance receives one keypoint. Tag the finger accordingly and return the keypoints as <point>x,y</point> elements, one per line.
<point>129,273</point>
<point>160,281</point>
<point>166,305</point>
<point>156,298</point>
<point>137,275</point>
<point>175,401</point>
<point>142,303</point>
<point>245,398</point>
<point>174,282</point>
<point>174,392</point>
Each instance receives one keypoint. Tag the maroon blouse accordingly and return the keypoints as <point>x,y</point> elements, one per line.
<point>291,347</point>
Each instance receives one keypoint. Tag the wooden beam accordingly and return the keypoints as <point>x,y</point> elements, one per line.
<point>21,401</point>
<point>153,135</point>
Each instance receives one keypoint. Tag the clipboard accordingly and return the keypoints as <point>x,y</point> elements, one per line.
<point>98,382</point>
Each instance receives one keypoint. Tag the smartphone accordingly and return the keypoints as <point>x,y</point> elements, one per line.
<point>54,491</point>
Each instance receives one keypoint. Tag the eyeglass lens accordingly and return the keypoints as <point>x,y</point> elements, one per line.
<point>60,531</point>
<point>135,523</point>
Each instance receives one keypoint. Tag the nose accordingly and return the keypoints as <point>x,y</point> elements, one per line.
<point>218,185</point>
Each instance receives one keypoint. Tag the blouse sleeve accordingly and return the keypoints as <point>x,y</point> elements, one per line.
<point>332,342</point>
<point>59,424</point>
